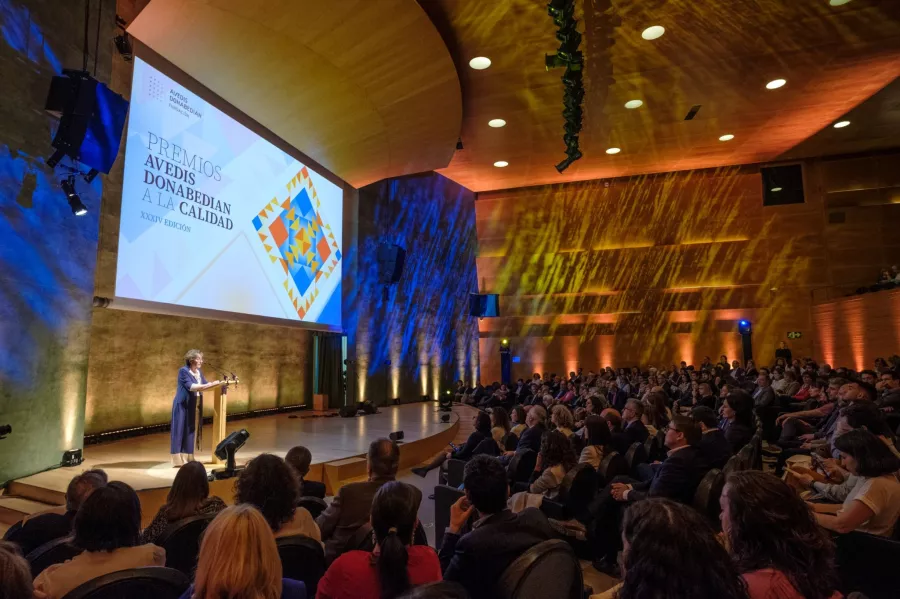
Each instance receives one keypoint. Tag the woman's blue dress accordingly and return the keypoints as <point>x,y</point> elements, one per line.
<point>184,412</point>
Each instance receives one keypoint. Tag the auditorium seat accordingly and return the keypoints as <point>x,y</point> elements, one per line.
<point>613,465</point>
<point>181,540</point>
<point>444,497</point>
<point>136,583</point>
<point>455,470</point>
<point>732,465</point>
<point>486,447</point>
<point>53,552</point>
<point>313,505</point>
<point>303,559</point>
<point>12,530</point>
<point>549,569</point>
<point>706,497</point>
<point>635,456</point>
<point>521,466</point>
<point>867,564</point>
<point>510,442</point>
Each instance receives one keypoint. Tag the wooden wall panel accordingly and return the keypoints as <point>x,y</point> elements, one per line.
<point>854,331</point>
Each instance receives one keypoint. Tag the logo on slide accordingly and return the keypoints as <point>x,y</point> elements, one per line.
<point>293,234</point>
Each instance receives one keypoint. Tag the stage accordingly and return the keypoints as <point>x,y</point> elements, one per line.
<point>338,446</point>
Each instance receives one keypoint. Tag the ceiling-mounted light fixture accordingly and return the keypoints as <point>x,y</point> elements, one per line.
<point>480,63</point>
<point>653,32</point>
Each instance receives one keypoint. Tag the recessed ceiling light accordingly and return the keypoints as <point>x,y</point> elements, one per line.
<point>613,151</point>
<point>479,63</point>
<point>838,2</point>
<point>775,83</point>
<point>775,189</point>
<point>501,163</point>
<point>632,104</point>
<point>496,123</point>
<point>654,32</point>
<point>726,137</point>
<point>841,124</point>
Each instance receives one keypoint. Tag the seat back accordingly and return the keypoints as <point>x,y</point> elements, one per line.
<point>732,465</point>
<point>581,490</point>
<point>868,564</point>
<point>613,465</point>
<point>510,442</point>
<point>522,465</point>
<point>549,569</point>
<point>302,558</point>
<point>52,552</point>
<point>650,446</point>
<point>136,583</point>
<point>313,505</point>
<point>706,497</point>
<point>635,456</point>
<point>456,469</point>
<point>444,497</point>
<point>181,540</point>
<point>361,540</point>
<point>487,447</point>
<point>745,457</point>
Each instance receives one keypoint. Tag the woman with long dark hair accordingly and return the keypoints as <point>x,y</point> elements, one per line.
<point>500,425</point>
<point>555,459</point>
<point>656,411</point>
<point>517,421</point>
<point>482,431</point>
<point>737,419</point>
<point>597,438</point>
<point>774,539</point>
<point>395,564</point>
<point>188,496</point>
<point>671,552</point>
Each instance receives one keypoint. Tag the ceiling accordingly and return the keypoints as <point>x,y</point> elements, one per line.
<point>367,89</point>
<point>718,54</point>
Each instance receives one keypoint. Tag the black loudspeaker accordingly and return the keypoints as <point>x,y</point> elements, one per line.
<point>347,411</point>
<point>390,263</point>
<point>782,185</point>
<point>483,306</point>
<point>91,119</point>
<point>367,407</point>
<point>396,436</point>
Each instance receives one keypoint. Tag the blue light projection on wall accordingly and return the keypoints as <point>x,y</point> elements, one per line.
<point>25,37</point>
<point>421,326</point>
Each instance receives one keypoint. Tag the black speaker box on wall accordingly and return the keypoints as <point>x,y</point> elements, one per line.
<point>782,185</point>
<point>390,263</point>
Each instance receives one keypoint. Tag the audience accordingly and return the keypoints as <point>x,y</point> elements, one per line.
<point>107,528</point>
<point>597,441</point>
<point>562,420</point>
<point>188,496</point>
<point>239,559</point>
<point>482,422</point>
<point>633,430</point>
<point>555,459</point>
<point>737,419</point>
<point>352,506</point>
<point>299,458</point>
<point>500,426</point>
<point>774,539</point>
<point>518,417</point>
<point>15,575</point>
<point>48,526</point>
<point>531,437</point>
<point>396,564</point>
<point>478,558</point>
<point>670,551</point>
<point>713,444</point>
<point>270,485</point>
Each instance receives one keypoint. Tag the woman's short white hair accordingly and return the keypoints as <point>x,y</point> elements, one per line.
<point>191,356</point>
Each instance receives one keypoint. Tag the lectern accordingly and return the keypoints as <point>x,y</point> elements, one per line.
<point>220,407</point>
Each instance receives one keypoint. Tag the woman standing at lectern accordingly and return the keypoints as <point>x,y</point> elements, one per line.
<point>191,384</point>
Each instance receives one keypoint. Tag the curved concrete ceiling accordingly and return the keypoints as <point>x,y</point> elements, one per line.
<point>367,89</point>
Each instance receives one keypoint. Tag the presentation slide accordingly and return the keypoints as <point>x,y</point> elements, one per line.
<point>216,217</point>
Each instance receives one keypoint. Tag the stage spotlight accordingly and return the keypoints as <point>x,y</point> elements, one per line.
<point>226,450</point>
<point>75,203</point>
<point>744,327</point>
<point>72,457</point>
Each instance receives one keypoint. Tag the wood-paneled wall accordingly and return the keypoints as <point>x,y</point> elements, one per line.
<point>853,331</point>
<point>658,269</point>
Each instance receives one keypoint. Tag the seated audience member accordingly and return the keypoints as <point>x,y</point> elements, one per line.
<point>396,564</point>
<point>352,506</point>
<point>801,426</point>
<point>567,395</point>
<point>670,551</point>
<point>49,526</point>
<point>500,426</point>
<point>802,393</point>
<point>477,559</point>
<point>764,396</point>
<point>633,430</point>
<point>676,478</point>
<point>239,558</point>
<point>890,391</point>
<point>299,458</point>
<point>555,459</point>
<point>791,385</point>
<point>774,539</point>
<point>737,419</point>
<point>597,440</point>
<point>518,418</point>
<point>613,420</point>
<point>108,529</point>
<point>873,505</point>
<point>482,431</point>
<point>656,413</point>
<point>188,496</point>
<point>713,443</point>
<point>270,485</point>
<point>531,437</point>
<point>15,573</point>
<point>562,420</point>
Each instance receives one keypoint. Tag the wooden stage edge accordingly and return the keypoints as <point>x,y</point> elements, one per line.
<point>338,446</point>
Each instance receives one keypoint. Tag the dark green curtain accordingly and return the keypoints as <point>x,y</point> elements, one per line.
<point>331,381</point>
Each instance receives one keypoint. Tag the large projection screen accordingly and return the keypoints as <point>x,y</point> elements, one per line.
<point>217,221</point>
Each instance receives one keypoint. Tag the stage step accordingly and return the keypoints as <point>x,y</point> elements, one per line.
<point>13,509</point>
<point>35,493</point>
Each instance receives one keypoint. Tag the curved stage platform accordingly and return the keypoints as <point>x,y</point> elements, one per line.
<point>338,447</point>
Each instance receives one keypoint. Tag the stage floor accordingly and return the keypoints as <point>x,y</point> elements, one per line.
<point>144,462</point>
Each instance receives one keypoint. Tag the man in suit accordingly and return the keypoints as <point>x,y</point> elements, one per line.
<point>764,395</point>
<point>352,506</point>
<point>676,478</point>
<point>713,444</point>
<point>536,420</point>
<point>51,526</point>
<point>633,430</point>
<point>478,558</point>
<point>299,458</point>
